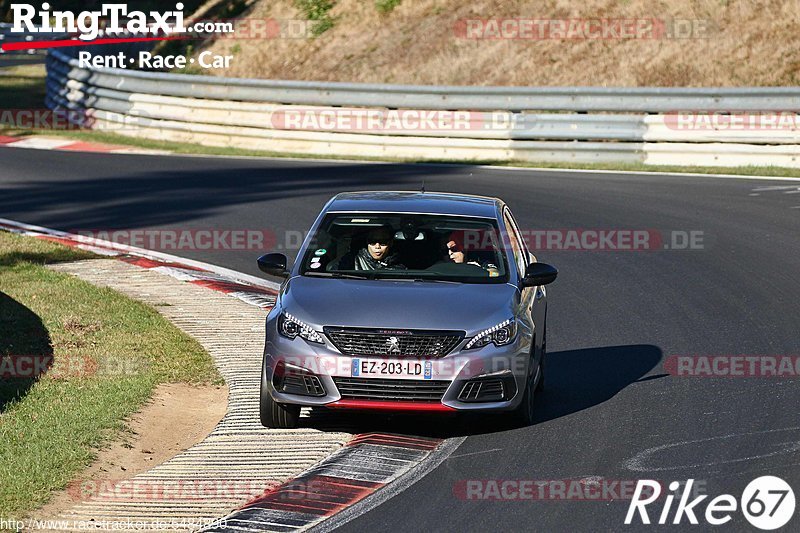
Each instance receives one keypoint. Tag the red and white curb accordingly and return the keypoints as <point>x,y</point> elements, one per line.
<point>249,289</point>
<point>366,464</point>
<point>71,145</point>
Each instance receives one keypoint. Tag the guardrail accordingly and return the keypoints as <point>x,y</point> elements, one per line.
<point>504,123</point>
<point>6,36</point>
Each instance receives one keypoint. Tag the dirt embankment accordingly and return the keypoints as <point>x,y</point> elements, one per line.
<point>676,43</point>
<point>177,417</point>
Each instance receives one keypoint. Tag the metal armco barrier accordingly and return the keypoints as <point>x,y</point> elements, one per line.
<point>503,123</point>
<point>7,36</point>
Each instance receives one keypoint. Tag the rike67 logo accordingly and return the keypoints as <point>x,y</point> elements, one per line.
<point>767,503</point>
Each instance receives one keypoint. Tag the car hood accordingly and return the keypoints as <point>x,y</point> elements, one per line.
<point>398,304</point>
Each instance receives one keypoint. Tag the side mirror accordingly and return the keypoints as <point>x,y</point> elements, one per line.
<point>273,264</point>
<point>539,274</point>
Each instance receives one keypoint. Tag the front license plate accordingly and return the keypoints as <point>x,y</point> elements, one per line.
<point>390,368</point>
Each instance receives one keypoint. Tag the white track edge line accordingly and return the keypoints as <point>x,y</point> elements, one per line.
<point>233,274</point>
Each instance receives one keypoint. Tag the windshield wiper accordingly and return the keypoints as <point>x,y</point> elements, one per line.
<point>337,275</point>
<point>417,279</point>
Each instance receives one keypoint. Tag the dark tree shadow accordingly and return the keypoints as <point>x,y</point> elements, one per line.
<point>576,380</point>
<point>10,259</point>
<point>25,350</point>
<point>158,191</point>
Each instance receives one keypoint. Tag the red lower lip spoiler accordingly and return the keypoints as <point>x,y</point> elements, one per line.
<point>378,405</point>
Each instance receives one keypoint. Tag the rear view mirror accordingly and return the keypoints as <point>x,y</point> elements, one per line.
<point>273,264</point>
<point>539,274</point>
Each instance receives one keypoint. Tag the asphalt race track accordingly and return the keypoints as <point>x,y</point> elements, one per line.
<point>611,410</point>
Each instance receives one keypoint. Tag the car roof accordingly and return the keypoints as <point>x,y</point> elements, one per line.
<point>438,203</point>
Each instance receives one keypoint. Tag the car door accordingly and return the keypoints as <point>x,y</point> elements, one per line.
<point>520,257</point>
<point>532,299</point>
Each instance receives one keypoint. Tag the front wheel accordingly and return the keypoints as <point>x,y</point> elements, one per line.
<point>277,415</point>
<point>542,359</point>
<point>523,414</point>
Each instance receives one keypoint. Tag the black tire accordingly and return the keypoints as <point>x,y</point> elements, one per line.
<point>524,414</point>
<point>542,361</point>
<point>277,415</point>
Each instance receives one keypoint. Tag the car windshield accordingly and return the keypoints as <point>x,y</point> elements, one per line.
<point>403,246</point>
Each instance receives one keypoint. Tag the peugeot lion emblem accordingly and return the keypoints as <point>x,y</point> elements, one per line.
<point>393,345</point>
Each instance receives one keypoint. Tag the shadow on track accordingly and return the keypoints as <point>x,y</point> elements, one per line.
<point>21,334</point>
<point>576,380</point>
<point>580,379</point>
<point>157,191</point>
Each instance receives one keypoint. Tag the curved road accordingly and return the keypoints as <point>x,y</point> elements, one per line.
<point>611,409</point>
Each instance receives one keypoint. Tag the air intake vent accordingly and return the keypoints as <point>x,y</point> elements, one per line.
<point>391,389</point>
<point>487,390</point>
<point>296,382</point>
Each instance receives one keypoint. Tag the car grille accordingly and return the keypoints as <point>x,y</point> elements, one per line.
<point>394,343</point>
<point>391,389</point>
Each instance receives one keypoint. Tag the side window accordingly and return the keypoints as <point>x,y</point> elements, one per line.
<point>517,247</point>
<point>520,234</point>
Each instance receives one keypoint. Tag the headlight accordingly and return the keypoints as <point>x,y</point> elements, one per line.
<point>502,333</point>
<point>290,327</point>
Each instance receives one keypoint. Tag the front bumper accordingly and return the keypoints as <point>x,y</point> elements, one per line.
<point>507,364</point>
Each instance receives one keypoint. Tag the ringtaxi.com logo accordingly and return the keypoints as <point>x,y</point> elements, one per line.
<point>767,503</point>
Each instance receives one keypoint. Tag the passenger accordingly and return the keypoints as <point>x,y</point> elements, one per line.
<point>455,249</point>
<point>456,254</point>
<point>377,255</point>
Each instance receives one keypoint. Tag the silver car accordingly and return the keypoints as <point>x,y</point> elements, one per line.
<point>407,301</point>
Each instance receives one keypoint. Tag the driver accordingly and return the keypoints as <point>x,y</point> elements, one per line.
<point>377,255</point>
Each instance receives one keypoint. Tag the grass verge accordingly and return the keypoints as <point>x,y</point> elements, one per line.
<point>106,354</point>
<point>22,87</point>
